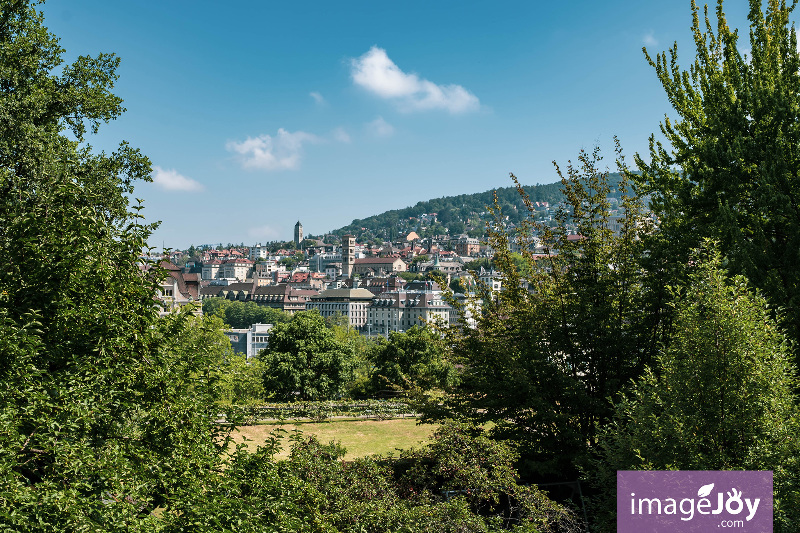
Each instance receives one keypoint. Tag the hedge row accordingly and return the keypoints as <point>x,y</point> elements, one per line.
<point>317,411</point>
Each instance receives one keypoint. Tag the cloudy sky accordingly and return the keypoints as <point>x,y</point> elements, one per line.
<point>257,114</point>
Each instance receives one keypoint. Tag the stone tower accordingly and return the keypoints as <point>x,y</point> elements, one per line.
<point>348,255</point>
<point>298,233</point>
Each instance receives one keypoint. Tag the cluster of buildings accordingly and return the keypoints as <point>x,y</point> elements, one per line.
<point>361,283</point>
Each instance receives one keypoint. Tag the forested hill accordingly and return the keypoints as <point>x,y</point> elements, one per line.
<point>465,213</point>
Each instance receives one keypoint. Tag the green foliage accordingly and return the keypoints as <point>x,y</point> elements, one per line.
<point>567,331</point>
<point>412,492</point>
<point>106,408</point>
<point>464,212</point>
<point>458,285</point>
<point>323,410</point>
<point>411,361</point>
<point>242,315</point>
<point>253,496</point>
<point>720,396</point>
<point>477,264</point>
<point>361,346</point>
<point>306,361</point>
<point>241,381</point>
<point>730,167</point>
<point>411,276</point>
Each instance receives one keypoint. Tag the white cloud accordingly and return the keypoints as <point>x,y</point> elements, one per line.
<point>170,180</point>
<point>380,128</point>
<point>266,233</point>
<point>339,134</point>
<point>265,152</point>
<point>649,39</point>
<point>318,98</point>
<point>378,74</point>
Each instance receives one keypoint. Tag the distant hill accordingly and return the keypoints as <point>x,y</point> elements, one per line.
<point>465,213</point>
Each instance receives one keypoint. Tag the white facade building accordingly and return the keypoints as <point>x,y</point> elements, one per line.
<point>249,341</point>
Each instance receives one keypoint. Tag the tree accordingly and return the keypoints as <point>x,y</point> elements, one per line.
<point>720,396</point>
<point>106,412</point>
<point>411,361</point>
<point>730,167</point>
<point>305,361</point>
<point>242,315</point>
<point>566,333</point>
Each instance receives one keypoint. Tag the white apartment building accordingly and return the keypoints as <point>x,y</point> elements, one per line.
<point>249,341</point>
<point>258,252</point>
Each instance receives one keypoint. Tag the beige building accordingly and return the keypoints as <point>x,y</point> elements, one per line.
<point>399,310</point>
<point>379,266</point>
<point>240,269</point>
<point>177,289</point>
<point>351,303</point>
<point>280,296</point>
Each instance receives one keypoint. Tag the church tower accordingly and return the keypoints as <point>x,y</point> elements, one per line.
<point>298,233</point>
<point>348,255</point>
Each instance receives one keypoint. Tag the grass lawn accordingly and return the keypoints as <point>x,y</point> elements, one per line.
<point>360,437</point>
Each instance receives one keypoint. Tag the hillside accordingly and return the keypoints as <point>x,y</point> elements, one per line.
<point>465,213</point>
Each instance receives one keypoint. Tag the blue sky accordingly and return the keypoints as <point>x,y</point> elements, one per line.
<point>257,114</point>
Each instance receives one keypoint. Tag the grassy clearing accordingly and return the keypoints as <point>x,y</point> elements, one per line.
<point>360,437</point>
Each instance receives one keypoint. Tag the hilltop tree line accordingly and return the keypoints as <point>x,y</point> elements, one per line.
<point>658,342</point>
<point>456,215</point>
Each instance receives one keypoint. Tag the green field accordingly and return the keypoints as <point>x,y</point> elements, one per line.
<point>360,437</point>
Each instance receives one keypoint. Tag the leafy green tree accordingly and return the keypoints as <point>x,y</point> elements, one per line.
<point>241,381</point>
<point>567,331</point>
<point>215,306</point>
<point>458,285</point>
<point>305,360</point>
<point>242,315</point>
<point>720,396</point>
<point>411,276</point>
<point>411,361</point>
<point>477,264</point>
<point>461,482</point>
<point>729,167</point>
<point>106,408</point>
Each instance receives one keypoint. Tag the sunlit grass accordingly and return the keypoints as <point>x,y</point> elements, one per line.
<point>360,437</point>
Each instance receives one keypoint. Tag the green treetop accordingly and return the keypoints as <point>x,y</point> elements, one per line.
<point>306,361</point>
<point>730,166</point>
<point>720,396</point>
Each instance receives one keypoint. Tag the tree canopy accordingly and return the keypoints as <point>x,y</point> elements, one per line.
<point>567,331</point>
<point>720,396</point>
<point>106,408</point>
<point>306,361</point>
<point>729,166</point>
<point>411,361</point>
